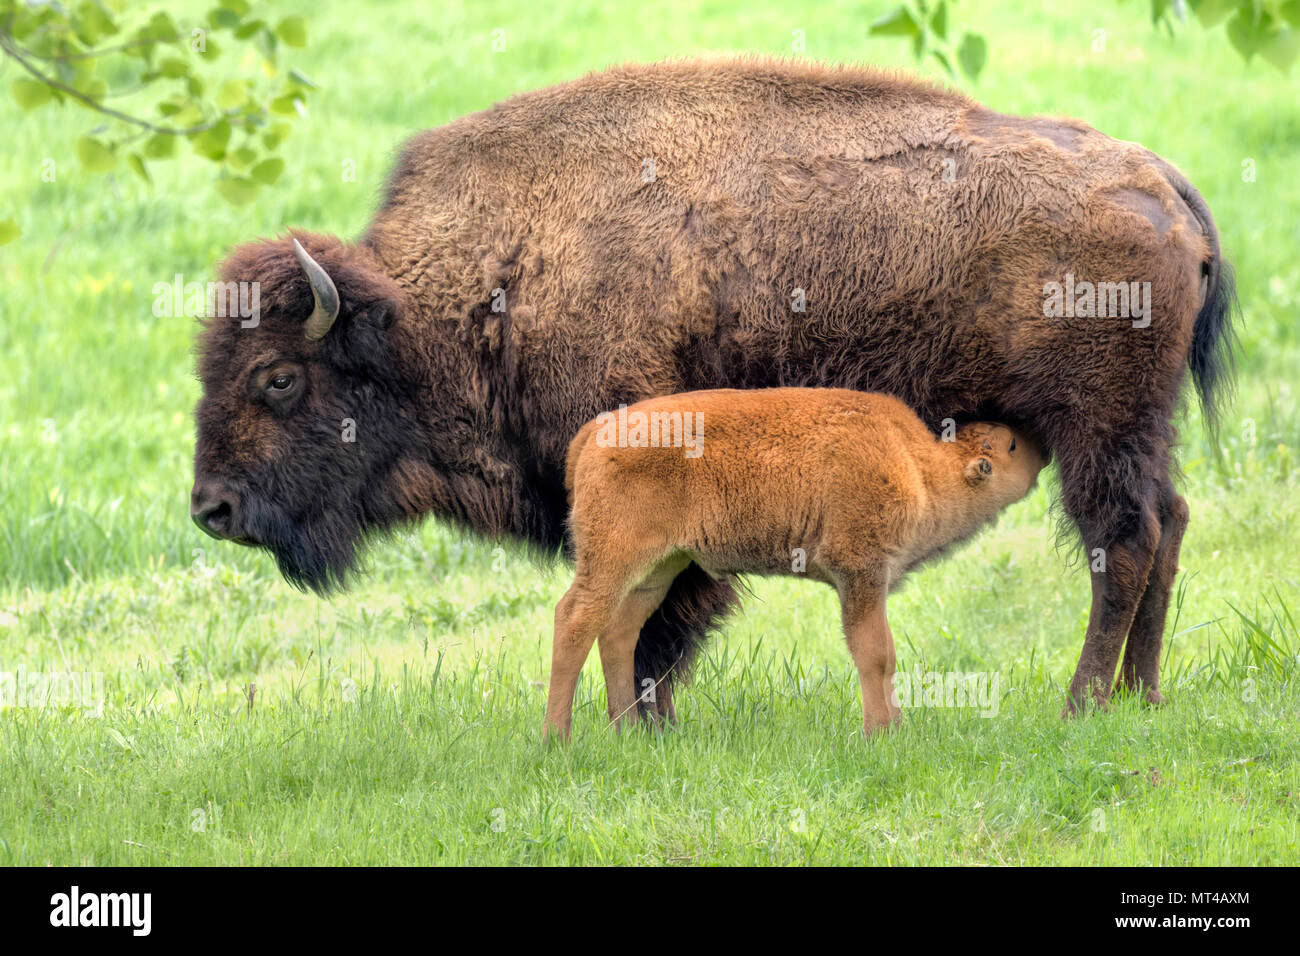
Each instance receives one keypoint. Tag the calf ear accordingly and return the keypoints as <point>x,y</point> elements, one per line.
<point>977,471</point>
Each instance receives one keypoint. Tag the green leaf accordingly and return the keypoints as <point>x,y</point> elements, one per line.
<point>292,31</point>
<point>238,191</point>
<point>268,44</point>
<point>9,231</point>
<point>238,7</point>
<point>897,22</point>
<point>31,93</point>
<point>212,141</point>
<point>233,94</point>
<point>268,170</point>
<point>972,54</point>
<point>243,157</point>
<point>161,27</point>
<point>91,23</point>
<point>96,88</point>
<point>248,28</point>
<point>286,105</point>
<point>1242,35</point>
<point>160,146</point>
<point>174,67</point>
<point>182,110</point>
<point>221,18</point>
<point>137,166</point>
<point>302,79</point>
<point>1213,12</point>
<point>1291,12</point>
<point>944,62</point>
<point>1281,47</point>
<point>939,21</point>
<point>94,156</point>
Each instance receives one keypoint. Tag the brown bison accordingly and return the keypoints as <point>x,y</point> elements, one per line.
<point>738,223</point>
<point>847,488</point>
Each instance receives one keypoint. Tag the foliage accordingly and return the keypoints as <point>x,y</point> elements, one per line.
<point>94,54</point>
<point>1267,28</point>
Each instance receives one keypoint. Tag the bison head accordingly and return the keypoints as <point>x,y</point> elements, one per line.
<point>301,427</point>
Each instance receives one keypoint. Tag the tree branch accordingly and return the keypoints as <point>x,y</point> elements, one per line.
<point>14,53</point>
<point>91,54</point>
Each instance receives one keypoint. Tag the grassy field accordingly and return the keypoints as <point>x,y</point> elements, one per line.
<point>246,723</point>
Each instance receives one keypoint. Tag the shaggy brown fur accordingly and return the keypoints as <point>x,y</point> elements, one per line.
<point>848,488</point>
<point>529,268</point>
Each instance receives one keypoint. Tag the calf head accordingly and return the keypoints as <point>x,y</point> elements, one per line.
<point>1001,463</point>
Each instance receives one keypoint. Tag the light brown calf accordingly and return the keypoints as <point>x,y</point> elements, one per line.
<point>845,487</point>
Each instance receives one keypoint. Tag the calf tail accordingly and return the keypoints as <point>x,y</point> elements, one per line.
<point>696,603</point>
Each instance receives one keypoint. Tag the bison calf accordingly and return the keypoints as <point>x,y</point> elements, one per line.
<point>849,488</point>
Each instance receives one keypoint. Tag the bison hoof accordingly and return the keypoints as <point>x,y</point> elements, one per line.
<point>1077,707</point>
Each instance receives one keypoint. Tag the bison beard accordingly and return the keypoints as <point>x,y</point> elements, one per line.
<point>317,552</point>
<point>540,280</point>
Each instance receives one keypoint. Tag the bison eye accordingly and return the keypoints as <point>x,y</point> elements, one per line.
<point>280,383</point>
<point>1013,445</point>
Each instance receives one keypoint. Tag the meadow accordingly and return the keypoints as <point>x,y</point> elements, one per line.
<point>246,723</point>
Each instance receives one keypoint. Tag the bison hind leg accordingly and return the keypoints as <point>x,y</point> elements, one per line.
<point>1113,485</point>
<point>695,604</point>
<point>1140,672</point>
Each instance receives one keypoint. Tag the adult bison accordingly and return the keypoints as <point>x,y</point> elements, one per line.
<point>701,224</point>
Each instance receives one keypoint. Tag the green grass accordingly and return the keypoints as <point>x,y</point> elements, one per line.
<point>401,722</point>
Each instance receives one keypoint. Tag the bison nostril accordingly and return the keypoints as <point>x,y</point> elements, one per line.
<point>217,518</point>
<point>214,516</point>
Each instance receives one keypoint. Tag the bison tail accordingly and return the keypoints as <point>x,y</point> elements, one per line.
<point>695,604</point>
<point>1214,344</point>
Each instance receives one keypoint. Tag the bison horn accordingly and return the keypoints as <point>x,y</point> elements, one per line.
<point>322,290</point>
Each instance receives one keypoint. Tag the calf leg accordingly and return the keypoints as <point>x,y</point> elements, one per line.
<point>618,650</point>
<point>581,615</point>
<point>1140,672</point>
<point>866,628</point>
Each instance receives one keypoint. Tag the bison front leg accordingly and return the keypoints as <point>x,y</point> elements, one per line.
<point>1141,669</point>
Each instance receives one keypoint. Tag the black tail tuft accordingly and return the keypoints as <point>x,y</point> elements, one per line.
<point>1214,343</point>
<point>670,639</point>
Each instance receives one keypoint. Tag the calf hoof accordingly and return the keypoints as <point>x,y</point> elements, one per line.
<point>552,736</point>
<point>874,728</point>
